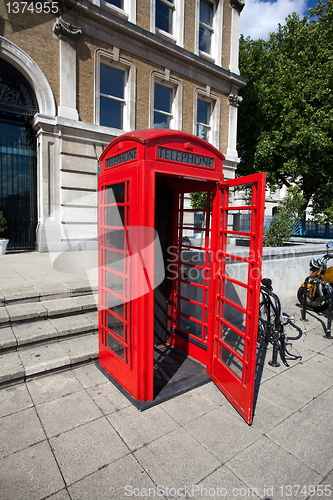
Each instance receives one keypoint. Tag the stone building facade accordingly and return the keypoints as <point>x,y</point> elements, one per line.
<point>100,68</point>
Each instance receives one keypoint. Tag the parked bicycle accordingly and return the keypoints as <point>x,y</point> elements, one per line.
<point>272,323</point>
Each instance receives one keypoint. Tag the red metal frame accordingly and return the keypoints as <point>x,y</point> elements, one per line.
<point>232,364</point>
<point>193,165</point>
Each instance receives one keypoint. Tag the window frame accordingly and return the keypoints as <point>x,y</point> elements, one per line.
<point>215,102</point>
<point>127,12</point>
<point>177,104</point>
<point>215,54</point>
<point>177,34</point>
<point>113,59</point>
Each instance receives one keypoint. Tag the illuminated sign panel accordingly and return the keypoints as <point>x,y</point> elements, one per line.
<point>121,158</point>
<point>185,157</point>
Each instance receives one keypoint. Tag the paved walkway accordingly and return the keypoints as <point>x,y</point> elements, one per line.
<point>73,435</point>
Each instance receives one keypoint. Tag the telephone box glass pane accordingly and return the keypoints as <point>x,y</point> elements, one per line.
<point>115,193</point>
<point>116,346</point>
<point>232,362</point>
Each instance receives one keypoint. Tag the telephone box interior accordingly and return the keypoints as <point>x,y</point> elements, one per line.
<point>179,268</point>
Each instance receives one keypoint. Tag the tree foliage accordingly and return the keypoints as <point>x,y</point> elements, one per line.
<point>288,214</point>
<point>286,117</point>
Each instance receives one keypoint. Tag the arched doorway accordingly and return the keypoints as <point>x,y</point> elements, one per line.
<point>18,158</point>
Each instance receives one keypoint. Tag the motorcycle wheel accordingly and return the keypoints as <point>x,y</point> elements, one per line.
<point>317,305</point>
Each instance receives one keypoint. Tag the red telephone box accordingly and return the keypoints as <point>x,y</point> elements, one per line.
<point>174,272</point>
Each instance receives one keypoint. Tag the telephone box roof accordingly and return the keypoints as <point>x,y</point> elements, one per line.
<point>152,134</point>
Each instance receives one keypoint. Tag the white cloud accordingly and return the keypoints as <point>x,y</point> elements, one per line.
<point>259,18</point>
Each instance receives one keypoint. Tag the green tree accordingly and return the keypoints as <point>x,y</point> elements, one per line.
<point>288,214</point>
<point>286,117</point>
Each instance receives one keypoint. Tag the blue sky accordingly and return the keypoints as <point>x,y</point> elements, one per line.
<point>260,17</point>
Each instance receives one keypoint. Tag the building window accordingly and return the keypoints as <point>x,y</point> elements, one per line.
<point>116,3</point>
<point>204,112</point>
<point>122,8</point>
<point>112,87</point>
<point>167,19</point>
<point>165,101</point>
<point>206,26</point>
<point>207,116</point>
<point>209,27</point>
<point>164,15</point>
<point>114,91</point>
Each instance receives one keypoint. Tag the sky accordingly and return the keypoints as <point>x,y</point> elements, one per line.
<point>260,17</point>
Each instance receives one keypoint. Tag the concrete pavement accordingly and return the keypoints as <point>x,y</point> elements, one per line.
<point>72,435</point>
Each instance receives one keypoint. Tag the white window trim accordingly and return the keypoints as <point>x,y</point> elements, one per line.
<point>206,95</point>
<point>177,105</point>
<point>178,21</point>
<point>217,28</point>
<point>118,62</point>
<point>129,11</point>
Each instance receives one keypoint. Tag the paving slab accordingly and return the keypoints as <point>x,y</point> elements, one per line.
<point>222,483</point>
<point>267,413</point>
<point>236,437</point>
<point>140,428</point>
<point>19,431</point>
<point>15,292</point>
<point>52,291</point>
<point>86,301</point>
<point>81,348</point>
<point>307,441</point>
<point>61,495</point>
<point>44,389</point>
<point>295,388</point>
<point>322,363</point>
<point>92,317</point>
<point>30,474</point>
<point>319,409</point>
<point>71,324</point>
<point>268,468</point>
<point>188,406</point>
<point>13,399</point>
<point>89,375</point>
<point>43,358</point>
<point>4,316</point>
<point>87,448</point>
<point>7,338</point>
<point>67,412</point>
<point>107,397</point>
<point>20,312</point>
<point>11,367</point>
<point>57,307</point>
<point>119,480</point>
<point>35,331</point>
<point>169,460</point>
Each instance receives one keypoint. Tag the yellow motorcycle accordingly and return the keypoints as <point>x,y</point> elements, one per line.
<point>318,287</point>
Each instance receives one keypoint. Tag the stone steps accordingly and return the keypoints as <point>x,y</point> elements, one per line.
<point>39,336</point>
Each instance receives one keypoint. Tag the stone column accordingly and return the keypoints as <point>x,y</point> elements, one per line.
<point>68,36</point>
<point>237,7</point>
<point>234,101</point>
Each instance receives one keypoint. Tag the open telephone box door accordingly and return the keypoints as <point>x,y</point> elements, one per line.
<point>180,253</point>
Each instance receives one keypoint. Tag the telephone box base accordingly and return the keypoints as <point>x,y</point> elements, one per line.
<point>174,374</point>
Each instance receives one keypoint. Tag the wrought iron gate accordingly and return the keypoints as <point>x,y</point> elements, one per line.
<point>18,159</point>
<point>18,189</point>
